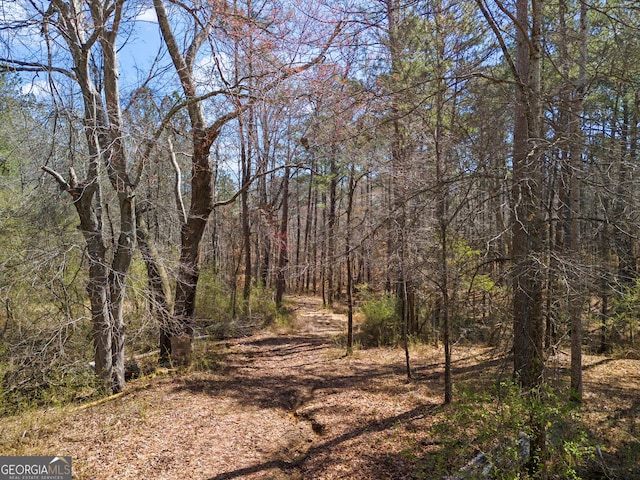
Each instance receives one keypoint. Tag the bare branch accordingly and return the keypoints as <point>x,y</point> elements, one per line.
<point>178,183</point>
<point>64,185</point>
<point>11,65</point>
<point>516,23</point>
<point>246,187</point>
<point>503,46</point>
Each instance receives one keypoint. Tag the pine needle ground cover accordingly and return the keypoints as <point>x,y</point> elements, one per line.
<point>287,404</point>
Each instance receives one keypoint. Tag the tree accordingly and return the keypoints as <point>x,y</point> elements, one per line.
<point>89,35</point>
<point>206,24</point>
<point>527,225</point>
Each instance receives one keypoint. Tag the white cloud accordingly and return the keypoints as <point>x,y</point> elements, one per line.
<point>148,15</point>
<point>37,87</point>
<point>20,21</point>
<point>12,11</point>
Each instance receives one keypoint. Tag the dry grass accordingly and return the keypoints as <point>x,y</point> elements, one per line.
<point>290,405</point>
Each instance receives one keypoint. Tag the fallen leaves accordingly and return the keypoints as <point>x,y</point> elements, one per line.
<point>285,406</point>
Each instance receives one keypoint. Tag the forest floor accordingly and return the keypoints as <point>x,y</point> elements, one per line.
<point>288,404</point>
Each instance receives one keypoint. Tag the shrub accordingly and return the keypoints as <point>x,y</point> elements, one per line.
<point>262,306</point>
<point>382,324</point>
<point>498,425</point>
<point>213,300</point>
<point>222,315</point>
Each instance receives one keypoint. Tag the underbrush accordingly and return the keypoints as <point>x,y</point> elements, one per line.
<point>46,362</point>
<point>487,435</point>
<point>221,314</point>
<point>382,325</point>
<point>63,386</point>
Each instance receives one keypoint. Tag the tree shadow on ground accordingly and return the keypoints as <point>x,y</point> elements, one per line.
<point>289,372</point>
<point>482,368</point>
<point>288,387</point>
<point>375,426</point>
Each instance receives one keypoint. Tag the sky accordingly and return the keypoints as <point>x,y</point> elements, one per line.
<point>139,50</point>
<point>136,54</point>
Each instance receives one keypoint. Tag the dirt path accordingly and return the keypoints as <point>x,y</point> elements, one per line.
<point>283,406</point>
<point>290,405</point>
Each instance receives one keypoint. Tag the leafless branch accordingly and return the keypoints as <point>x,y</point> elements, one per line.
<point>64,185</point>
<point>178,183</point>
<point>13,65</point>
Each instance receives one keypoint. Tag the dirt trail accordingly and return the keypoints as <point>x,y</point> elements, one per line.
<point>284,406</point>
<point>312,318</point>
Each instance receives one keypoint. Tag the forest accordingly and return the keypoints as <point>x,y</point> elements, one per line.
<point>436,197</point>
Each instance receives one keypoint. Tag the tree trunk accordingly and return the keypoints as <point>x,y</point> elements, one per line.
<point>97,286</point>
<point>265,242</point>
<point>201,183</point>
<point>575,243</point>
<point>527,226</point>
<point>117,283</point>
<point>331,230</point>
<point>527,231</point>
<point>283,243</point>
<point>246,226</point>
<point>189,263</point>
<point>441,201</point>
<point>105,142</point>
<point>159,288</point>
<point>308,253</point>
<point>349,257</point>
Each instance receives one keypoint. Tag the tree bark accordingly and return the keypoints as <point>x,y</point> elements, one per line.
<point>349,257</point>
<point>283,241</point>
<point>575,242</point>
<point>159,288</point>
<point>105,137</point>
<point>331,229</point>
<point>527,226</point>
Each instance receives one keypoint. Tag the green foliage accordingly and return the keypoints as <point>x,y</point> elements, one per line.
<point>382,324</point>
<point>498,425</point>
<point>224,316</point>
<point>262,306</point>
<point>206,357</point>
<point>213,298</point>
<point>142,327</point>
<point>626,311</point>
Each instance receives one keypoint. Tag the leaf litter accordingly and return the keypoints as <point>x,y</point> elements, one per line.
<point>288,405</point>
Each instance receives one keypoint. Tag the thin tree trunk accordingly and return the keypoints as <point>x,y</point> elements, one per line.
<point>349,257</point>
<point>246,226</point>
<point>441,211</point>
<point>265,243</point>
<point>331,230</point>
<point>158,281</point>
<point>605,254</point>
<point>308,254</point>
<point>283,242</point>
<point>575,243</point>
<point>314,280</point>
<point>298,258</point>
<point>323,250</point>
<point>405,327</point>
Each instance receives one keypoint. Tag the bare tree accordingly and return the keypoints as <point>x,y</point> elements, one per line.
<point>203,21</point>
<point>88,31</point>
